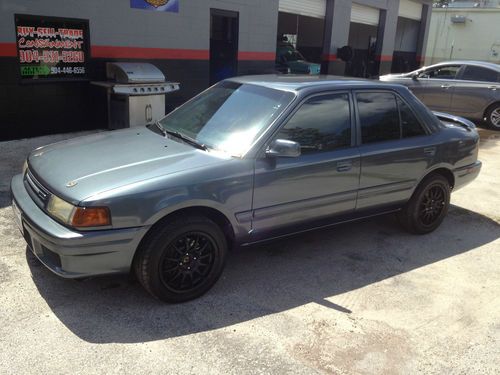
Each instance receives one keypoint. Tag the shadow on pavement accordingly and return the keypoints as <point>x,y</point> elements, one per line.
<point>261,280</point>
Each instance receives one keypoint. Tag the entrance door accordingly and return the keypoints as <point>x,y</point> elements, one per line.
<point>224,27</point>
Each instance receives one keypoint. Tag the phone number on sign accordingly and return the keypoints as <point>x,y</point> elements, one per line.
<point>67,70</point>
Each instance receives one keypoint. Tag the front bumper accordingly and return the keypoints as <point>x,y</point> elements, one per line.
<point>465,175</point>
<point>70,253</point>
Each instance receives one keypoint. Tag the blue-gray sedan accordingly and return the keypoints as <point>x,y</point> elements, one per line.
<point>248,160</point>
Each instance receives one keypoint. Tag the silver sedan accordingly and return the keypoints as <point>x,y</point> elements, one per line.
<point>469,89</point>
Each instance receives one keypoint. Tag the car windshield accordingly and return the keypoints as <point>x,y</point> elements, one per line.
<point>288,53</point>
<point>228,116</point>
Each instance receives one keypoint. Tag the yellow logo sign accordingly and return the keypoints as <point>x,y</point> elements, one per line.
<point>156,3</point>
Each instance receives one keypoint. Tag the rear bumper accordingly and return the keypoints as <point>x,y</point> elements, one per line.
<point>70,253</point>
<point>465,175</point>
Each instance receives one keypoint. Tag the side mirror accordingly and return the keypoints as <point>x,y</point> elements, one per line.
<point>414,76</point>
<point>283,148</point>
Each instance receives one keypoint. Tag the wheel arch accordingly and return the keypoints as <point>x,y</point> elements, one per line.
<point>488,108</point>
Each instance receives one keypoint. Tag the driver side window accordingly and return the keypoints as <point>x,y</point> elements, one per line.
<point>442,72</point>
<point>322,123</point>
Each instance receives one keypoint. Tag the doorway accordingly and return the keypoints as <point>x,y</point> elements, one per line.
<point>224,26</point>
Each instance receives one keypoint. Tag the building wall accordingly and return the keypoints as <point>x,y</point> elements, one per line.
<point>178,43</point>
<point>476,39</point>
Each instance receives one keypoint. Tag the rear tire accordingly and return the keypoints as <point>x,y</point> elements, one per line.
<point>493,116</point>
<point>428,206</point>
<point>181,260</point>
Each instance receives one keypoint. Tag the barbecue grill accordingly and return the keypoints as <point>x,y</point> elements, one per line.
<point>135,93</point>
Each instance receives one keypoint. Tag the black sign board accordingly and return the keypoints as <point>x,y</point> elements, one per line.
<point>52,48</point>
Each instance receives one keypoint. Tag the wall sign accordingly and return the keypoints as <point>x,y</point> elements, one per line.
<point>52,48</point>
<point>156,5</point>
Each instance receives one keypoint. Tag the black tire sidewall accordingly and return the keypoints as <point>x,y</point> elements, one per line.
<point>160,245</point>
<point>413,209</point>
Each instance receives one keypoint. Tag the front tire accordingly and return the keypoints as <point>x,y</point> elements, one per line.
<point>493,116</point>
<point>181,260</point>
<point>428,206</point>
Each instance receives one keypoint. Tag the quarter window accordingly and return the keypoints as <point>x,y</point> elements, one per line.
<point>476,73</point>
<point>379,117</point>
<point>322,123</point>
<point>410,126</point>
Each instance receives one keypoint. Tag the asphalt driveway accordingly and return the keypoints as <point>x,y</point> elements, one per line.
<point>360,298</point>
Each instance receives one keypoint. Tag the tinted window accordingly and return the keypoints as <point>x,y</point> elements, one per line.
<point>410,126</point>
<point>378,113</point>
<point>444,72</point>
<point>476,73</point>
<point>321,124</point>
<point>228,116</point>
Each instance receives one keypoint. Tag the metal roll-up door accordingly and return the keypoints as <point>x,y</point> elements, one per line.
<point>410,9</point>
<point>364,14</point>
<point>311,8</point>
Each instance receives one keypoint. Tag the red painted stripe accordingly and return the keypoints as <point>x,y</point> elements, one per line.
<point>148,53</point>
<point>332,57</point>
<point>263,56</point>
<point>8,50</point>
<point>115,52</point>
<point>384,58</point>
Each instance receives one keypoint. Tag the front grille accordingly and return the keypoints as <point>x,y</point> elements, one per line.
<point>37,189</point>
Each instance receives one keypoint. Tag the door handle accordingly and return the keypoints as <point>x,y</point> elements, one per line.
<point>493,88</point>
<point>344,166</point>
<point>445,86</point>
<point>430,151</point>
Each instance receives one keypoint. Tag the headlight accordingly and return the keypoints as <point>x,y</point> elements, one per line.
<point>60,209</point>
<point>25,166</point>
<point>78,217</point>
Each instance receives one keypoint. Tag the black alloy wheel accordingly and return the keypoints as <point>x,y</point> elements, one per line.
<point>181,258</point>
<point>432,204</point>
<point>188,261</point>
<point>428,206</point>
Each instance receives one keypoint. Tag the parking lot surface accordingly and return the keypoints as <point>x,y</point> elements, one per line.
<point>359,298</point>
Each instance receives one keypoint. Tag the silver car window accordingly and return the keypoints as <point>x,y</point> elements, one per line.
<point>441,72</point>
<point>477,73</point>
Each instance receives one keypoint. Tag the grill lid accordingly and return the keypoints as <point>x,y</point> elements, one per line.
<point>130,72</point>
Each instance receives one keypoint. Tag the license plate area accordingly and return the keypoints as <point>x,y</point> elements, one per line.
<point>19,221</point>
<point>17,216</point>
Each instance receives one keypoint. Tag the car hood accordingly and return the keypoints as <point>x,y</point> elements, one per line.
<point>82,167</point>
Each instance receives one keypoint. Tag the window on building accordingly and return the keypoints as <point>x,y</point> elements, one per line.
<point>477,73</point>
<point>322,123</point>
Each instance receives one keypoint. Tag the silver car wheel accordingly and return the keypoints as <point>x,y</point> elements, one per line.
<point>495,117</point>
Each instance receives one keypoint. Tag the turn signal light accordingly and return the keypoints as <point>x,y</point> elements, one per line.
<point>91,217</point>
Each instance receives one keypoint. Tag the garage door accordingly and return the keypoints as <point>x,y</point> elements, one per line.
<point>311,8</point>
<point>364,14</point>
<point>410,9</point>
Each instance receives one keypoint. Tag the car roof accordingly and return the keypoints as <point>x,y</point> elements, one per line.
<point>483,64</point>
<point>296,82</point>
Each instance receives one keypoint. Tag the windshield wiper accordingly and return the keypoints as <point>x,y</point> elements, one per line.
<point>160,128</point>
<point>187,139</point>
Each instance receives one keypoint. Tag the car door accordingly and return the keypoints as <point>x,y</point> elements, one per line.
<point>475,89</point>
<point>436,86</point>
<point>322,181</point>
<point>396,149</point>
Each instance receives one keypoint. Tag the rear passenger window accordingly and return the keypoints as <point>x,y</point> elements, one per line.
<point>322,123</point>
<point>476,73</point>
<point>379,117</point>
<point>410,126</point>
